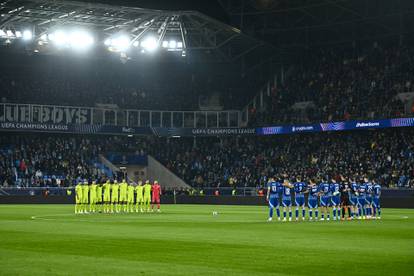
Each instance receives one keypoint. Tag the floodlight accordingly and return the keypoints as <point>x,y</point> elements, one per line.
<point>9,33</point>
<point>44,37</point>
<point>150,44</point>
<point>173,44</point>
<point>80,40</point>
<point>136,43</point>
<point>18,34</point>
<point>27,35</point>
<point>121,43</point>
<point>165,44</point>
<point>179,44</point>
<point>2,33</point>
<point>108,42</point>
<point>60,38</point>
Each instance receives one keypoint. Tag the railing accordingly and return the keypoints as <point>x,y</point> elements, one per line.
<point>107,115</point>
<point>224,191</point>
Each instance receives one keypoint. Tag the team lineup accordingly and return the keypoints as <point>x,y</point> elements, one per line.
<point>360,200</point>
<point>116,197</point>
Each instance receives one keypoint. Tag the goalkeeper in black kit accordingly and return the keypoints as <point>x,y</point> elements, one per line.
<point>345,205</point>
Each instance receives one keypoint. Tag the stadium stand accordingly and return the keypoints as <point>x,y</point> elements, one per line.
<point>342,84</point>
<point>386,155</point>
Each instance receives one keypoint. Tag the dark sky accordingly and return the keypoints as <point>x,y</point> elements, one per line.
<point>209,7</point>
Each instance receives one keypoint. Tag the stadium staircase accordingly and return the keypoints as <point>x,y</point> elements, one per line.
<point>157,171</point>
<point>153,170</point>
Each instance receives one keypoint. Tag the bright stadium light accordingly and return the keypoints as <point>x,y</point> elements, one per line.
<point>18,34</point>
<point>43,37</point>
<point>80,40</point>
<point>121,43</point>
<point>2,33</point>
<point>9,33</point>
<point>136,43</point>
<point>59,38</point>
<point>27,35</point>
<point>165,44</point>
<point>150,44</point>
<point>108,42</point>
<point>173,44</point>
<point>179,44</point>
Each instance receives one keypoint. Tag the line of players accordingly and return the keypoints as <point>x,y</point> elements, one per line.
<point>361,200</point>
<point>114,197</point>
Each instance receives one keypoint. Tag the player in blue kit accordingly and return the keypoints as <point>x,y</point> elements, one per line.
<point>300,188</point>
<point>368,198</point>
<point>286,198</point>
<point>335,199</point>
<point>376,200</point>
<point>361,200</point>
<point>325,199</point>
<point>273,190</point>
<point>353,198</point>
<point>313,191</point>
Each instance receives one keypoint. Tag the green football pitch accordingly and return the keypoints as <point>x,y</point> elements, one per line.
<point>189,240</point>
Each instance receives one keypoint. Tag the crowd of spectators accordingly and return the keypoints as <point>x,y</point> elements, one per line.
<point>387,156</point>
<point>158,87</point>
<point>75,90</point>
<point>57,160</point>
<point>342,84</point>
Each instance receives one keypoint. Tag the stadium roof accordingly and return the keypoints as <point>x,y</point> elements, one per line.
<point>299,24</point>
<point>201,36</point>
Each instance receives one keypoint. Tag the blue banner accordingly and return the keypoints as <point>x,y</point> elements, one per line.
<point>336,126</point>
<point>191,132</point>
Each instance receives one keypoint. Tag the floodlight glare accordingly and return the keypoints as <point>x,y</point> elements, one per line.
<point>44,37</point>
<point>173,44</point>
<point>2,33</point>
<point>121,43</point>
<point>9,33</point>
<point>59,38</point>
<point>18,34</point>
<point>165,44</point>
<point>150,44</point>
<point>136,43</point>
<point>27,35</point>
<point>108,42</point>
<point>80,40</point>
<point>179,44</point>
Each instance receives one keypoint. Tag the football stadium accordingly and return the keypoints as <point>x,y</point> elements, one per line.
<point>207,137</point>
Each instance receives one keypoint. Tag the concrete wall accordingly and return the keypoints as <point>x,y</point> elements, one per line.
<point>167,179</point>
<point>387,202</point>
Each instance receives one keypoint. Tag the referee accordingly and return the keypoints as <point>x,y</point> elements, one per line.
<point>344,189</point>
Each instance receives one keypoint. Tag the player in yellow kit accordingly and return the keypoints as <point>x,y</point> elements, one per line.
<point>107,195</point>
<point>98,197</point>
<point>131,195</point>
<point>115,196</point>
<point>92,197</point>
<point>78,198</point>
<point>140,197</point>
<point>123,195</point>
<point>147,195</point>
<point>85,196</point>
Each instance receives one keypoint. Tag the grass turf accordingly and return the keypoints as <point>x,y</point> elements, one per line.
<point>189,240</point>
